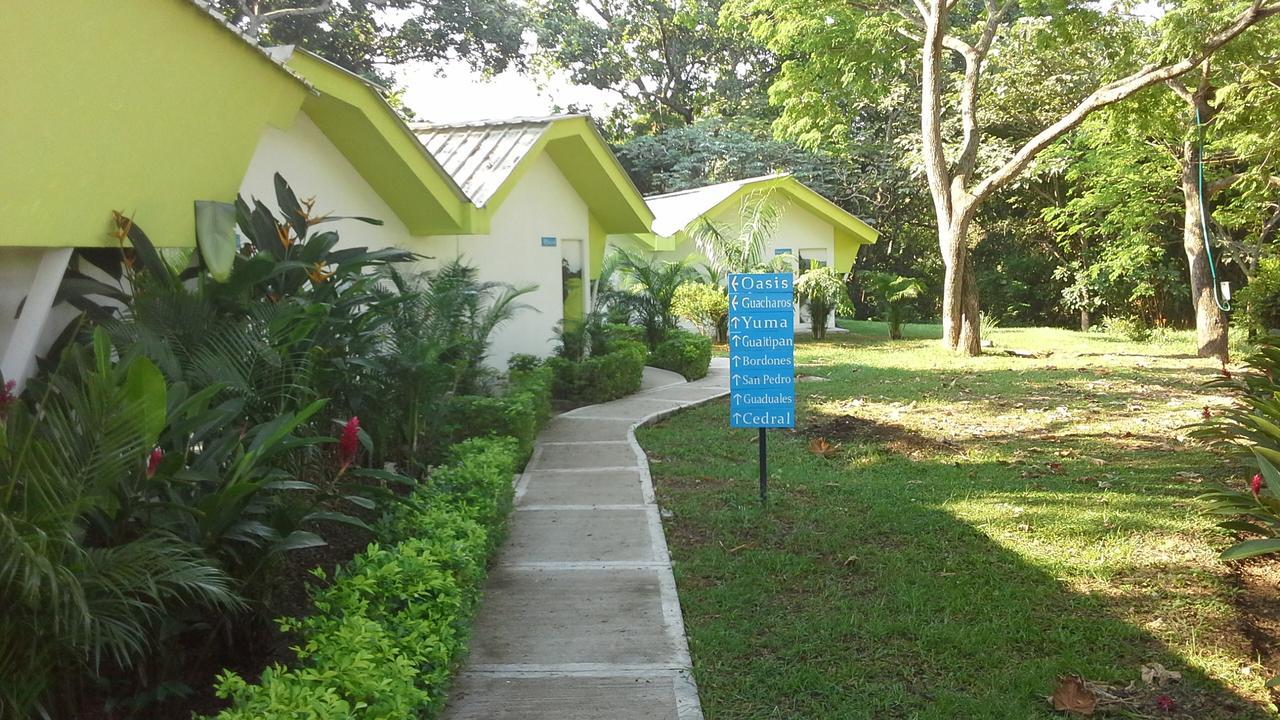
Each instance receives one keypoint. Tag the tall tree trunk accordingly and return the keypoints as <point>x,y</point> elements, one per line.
<point>1085,321</point>
<point>1211,323</point>
<point>961,328</point>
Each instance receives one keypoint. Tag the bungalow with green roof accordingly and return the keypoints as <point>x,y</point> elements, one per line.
<point>810,228</point>
<point>140,106</point>
<point>547,192</point>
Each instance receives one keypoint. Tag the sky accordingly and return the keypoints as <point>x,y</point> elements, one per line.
<point>453,92</point>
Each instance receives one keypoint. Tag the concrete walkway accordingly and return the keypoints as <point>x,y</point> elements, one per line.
<point>580,619</point>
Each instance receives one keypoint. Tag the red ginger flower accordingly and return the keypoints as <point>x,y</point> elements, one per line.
<point>6,393</point>
<point>153,461</point>
<point>349,443</point>
<point>1166,704</point>
<point>1255,485</point>
<point>1205,413</point>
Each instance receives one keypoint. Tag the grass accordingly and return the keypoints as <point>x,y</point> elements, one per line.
<point>982,527</point>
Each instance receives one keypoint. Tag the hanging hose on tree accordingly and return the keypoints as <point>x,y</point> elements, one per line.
<point>1223,304</point>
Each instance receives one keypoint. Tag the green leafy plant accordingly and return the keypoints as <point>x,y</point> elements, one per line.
<point>390,627</point>
<point>706,306</point>
<point>743,246</point>
<point>1259,300</point>
<point>79,592</point>
<point>1250,430</point>
<point>823,290</point>
<point>684,352</point>
<point>616,372</point>
<point>892,294</point>
<point>1129,327</point>
<point>651,289</point>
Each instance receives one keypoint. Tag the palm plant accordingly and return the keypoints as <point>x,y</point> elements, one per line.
<point>824,291</point>
<point>742,247</point>
<point>892,295</point>
<point>651,286</point>
<point>469,310</point>
<point>580,339</point>
<point>76,593</point>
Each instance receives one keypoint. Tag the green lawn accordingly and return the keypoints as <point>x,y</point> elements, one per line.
<point>984,526</point>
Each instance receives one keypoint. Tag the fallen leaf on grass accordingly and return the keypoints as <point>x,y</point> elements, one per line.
<point>1155,674</point>
<point>1072,696</point>
<point>822,448</point>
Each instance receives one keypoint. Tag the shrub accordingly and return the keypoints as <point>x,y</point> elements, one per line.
<point>684,352</point>
<point>536,383</point>
<point>602,378</point>
<point>391,627</point>
<point>1260,299</point>
<point>620,331</point>
<point>893,295</point>
<point>1131,328</point>
<point>518,414</point>
<point>704,305</point>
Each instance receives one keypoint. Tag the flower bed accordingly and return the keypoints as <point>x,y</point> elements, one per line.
<point>389,630</point>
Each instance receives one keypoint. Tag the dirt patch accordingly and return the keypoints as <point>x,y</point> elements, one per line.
<point>1258,601</point>
<point>891,436</point>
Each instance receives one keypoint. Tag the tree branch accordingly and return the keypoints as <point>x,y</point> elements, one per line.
<point>935,160</point>
<point>974,58</point>
<point>1114,92</point>
<point>1227,182</point>
<point>286,12</point>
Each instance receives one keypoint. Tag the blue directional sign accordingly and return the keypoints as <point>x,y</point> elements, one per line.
<point>762,389</point>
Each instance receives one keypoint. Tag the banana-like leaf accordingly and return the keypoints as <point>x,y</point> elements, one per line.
<point>300,540</point>
<point>216,235</point>
<point>289,205</point>
<point>1251,548</point>
<point>145,387</point>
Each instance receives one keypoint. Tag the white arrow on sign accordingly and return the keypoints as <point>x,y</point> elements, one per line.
<point>733,302</point>
<point>733,284</point>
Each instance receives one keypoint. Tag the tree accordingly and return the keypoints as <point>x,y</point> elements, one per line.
<point>1145,174</point>
<point>651,286</point>
<point>953,139</point>
<point>363,35</point>
<point>669,62</point>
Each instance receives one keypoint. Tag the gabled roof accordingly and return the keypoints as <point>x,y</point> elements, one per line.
<point>486,159</point>
<point>481,155</point>
<point>355,117</point>
<point>221,20</point>
<point>674,212</point>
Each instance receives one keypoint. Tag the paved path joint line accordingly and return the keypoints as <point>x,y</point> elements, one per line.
<point>580,619</point>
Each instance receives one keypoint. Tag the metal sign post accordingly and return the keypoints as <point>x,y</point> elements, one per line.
<point>762,367</point>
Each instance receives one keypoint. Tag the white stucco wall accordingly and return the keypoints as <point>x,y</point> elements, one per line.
<point>798,230</point>
<point>315,168</point>
<point>33,275</point>
<point>542,204</point>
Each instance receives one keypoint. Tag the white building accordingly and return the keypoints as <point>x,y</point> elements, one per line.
<point>809,228</point>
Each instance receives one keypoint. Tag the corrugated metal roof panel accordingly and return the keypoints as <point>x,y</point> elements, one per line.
<point>481,155</point>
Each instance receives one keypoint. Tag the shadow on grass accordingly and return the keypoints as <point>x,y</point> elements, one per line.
<point>874,586</point>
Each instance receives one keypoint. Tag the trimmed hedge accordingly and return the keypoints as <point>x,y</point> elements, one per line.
<point>518,414</point>
<point>619,331</point>
<point>600,378</point>
<point>684,352</point>
<point>390,629</point>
